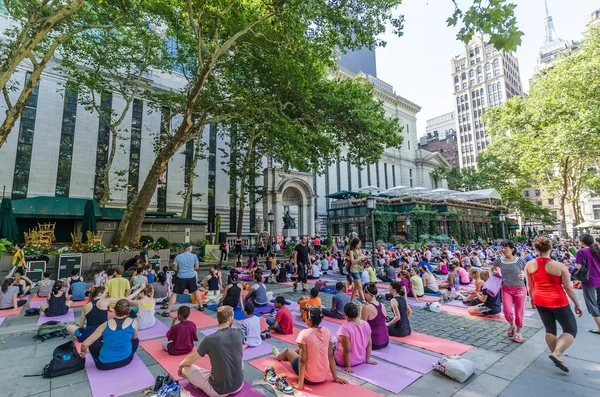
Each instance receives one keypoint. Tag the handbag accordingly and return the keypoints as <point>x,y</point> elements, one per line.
<point>583,273</point>
<point>493,285</point>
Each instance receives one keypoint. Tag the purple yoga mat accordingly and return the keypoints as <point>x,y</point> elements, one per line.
<point>2,320</point>
<point>408,358</point>
<point>418,304</point>
<point>158,331</point>
<point>384,375</point>
<point>264,309</point>
<point>69,317</point>
<point>333,327</point>
<point>118,382</point>
<point>247,391</point>
<point>37,304</point>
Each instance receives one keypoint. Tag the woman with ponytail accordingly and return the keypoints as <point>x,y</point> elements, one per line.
<point>9,296</point>
<point>58,301</point>
<point>375,314</point>
<point>591,288</point>
<point>144,306</point>
<point>514,292</point>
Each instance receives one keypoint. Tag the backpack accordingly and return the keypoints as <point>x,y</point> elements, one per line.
<point>65,360</point>
<point>51,329</point>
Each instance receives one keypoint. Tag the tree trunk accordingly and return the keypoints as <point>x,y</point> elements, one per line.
<point>189,192</point>
<point>28,40</point>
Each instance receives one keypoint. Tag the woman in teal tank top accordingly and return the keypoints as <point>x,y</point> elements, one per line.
<point>119,340</point>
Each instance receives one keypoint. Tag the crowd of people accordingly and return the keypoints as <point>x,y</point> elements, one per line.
<point>500,276</point>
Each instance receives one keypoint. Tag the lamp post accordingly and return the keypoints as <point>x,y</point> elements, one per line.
<point>408,230</point>
<point>491,230</point>
<point>271,219</point>
<point>372,205</point>
<point>502,219</point>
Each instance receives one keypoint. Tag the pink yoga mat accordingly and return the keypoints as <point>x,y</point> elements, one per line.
<point>200,319</point>
<point>326,389</point>
<point>118,382</point>
<point>69,317</point>
<point>385,375</point>
<point>433,344</point>
<point>247,391</point>
<point>407,358</point>
<point>158,331</point>
<point>12,312</point>
<point>168,362</point>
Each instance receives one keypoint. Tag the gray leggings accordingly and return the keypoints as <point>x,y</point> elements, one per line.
<point>591,295</point>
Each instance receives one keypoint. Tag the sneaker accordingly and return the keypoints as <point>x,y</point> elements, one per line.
<point>304,291</point>
<point>282,385</point>
<point>510,333</point>
<point>201,308</point>
<point>270,375</point>
<point>518,338</point>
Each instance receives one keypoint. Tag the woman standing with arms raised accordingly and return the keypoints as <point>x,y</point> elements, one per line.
<point>549,283</point>
<point>514,292</point>
<point>591,288</point>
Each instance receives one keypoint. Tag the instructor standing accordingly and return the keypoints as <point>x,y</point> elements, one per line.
<point>301,261</point>
<point>186,265</point>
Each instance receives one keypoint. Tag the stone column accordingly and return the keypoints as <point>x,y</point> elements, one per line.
<point>277,210</point>
<point>309,215</point>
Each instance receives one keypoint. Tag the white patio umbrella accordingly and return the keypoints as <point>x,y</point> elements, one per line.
<point>369,189</point>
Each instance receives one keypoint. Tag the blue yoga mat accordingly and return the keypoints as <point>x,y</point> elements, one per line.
<point>238,314</point>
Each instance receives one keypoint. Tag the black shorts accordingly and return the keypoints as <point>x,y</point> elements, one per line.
<point>20,270</point>
<point>563,315</point>
<point>302,278</point>
<point>181,284</point>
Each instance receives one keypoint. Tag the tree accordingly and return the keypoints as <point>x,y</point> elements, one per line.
<point>42,28</point>
<point>115,61</point>
<point>553,135</point>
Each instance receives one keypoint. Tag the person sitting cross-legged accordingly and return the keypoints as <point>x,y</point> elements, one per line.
<point>224,349</point>
<point>182,334</point>
<point>282,322</point>
<point>353,340</point>
<point>311,360</point>
<point>338,302</point>
<point>58,303</point>
<point>113,344</point>
<point>306,303</point>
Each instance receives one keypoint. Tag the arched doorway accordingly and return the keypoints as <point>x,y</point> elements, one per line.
<point>291,201</point>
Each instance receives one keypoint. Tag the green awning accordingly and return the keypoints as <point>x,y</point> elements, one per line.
<point>342,194</point>
<point>52,208</point>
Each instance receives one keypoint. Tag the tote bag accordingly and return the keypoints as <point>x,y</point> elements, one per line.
<point>493,285</point>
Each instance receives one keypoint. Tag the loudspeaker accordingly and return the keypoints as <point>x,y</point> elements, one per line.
<point>66,264</point>
<point>36,270</point>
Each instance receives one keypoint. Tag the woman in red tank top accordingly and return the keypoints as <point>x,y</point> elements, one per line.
<point>549,283</point>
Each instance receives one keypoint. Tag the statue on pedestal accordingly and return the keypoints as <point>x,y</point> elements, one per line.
<point>288,221</point>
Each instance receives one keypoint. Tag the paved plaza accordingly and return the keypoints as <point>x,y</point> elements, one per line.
<point>504,368</point>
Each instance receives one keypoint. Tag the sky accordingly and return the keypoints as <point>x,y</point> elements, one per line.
<point>418,63</point>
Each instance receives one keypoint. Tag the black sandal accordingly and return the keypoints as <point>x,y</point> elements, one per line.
<point>165,314</point>
<point>201,308</point>
<point>559,364</point>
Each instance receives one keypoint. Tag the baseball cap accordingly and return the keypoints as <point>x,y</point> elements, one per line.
<point>187,245</point>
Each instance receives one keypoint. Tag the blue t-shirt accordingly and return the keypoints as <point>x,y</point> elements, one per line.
<point>338,301</point>
<point>78,291</point>
<point>425,263</point>
<point>185,265</point>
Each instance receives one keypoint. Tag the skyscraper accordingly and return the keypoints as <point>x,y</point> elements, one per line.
<point>552,44</point>
<point>359,61</point>
<point>483,77</point>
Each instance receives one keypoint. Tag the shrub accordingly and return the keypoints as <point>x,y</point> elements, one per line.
<point>32,250</point>
<point>154,246</point>
<point>146,238</point>
<point>164,243</point>
<point>97,248</point>
<point>289,249</point>
<point>4,246</point>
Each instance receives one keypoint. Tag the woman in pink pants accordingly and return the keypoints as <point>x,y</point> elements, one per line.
<point>514,293</point>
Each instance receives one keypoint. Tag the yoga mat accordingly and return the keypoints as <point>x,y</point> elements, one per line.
<point>426,298</point>
<point>36,303</point>
<point>200,319</point>
<point>159,330</point>
<point>12,312</point>
<point>118,382</point>
<point>325,389</point>
<point>461,311</point>
<point>331,326</point>
<point>433,344</point>
<point>264,309</point>
<point>407,358</point>
<point>2,320</point>
<point>168,362</point>
<point>291,338</point>
<point>384,375</point>
<point>418,304</point>
<point>238,314</point>
<point>247,391</point>
<point>35,297</point>
<point>69,317</point>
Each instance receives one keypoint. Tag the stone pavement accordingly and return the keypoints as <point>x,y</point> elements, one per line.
<point>504,368</point>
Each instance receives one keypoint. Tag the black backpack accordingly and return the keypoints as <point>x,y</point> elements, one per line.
<point>65,360</point>
<point>51,329</point>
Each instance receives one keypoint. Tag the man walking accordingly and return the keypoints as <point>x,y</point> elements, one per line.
<point>186,265</point>
<point>301,261</point>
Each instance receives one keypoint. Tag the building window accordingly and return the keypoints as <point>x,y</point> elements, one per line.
<point>189,162</point>
<point>327,186</point>
<point>25,144</point>
<point>161,194</point>
<point>596,209</point>
<point>134,149</point>
<point>103,143</point>
<point>339,174</point>
<point>526,193</point>
<point>377,174</point>
<point>67,135</point>
<point>385,175</point>
<point>212,177</point>
<point>537,193</point>
<point>394,174</point>
<point>349,176</point>
<point>369,174</point>
<point>550,201</point>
